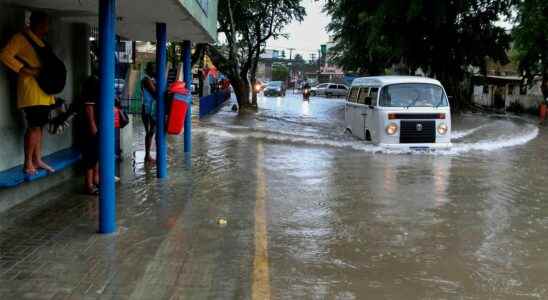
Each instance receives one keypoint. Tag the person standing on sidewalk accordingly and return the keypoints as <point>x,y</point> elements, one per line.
<point>148,88</point>
<point>88,129</point>
<point>20,57</point>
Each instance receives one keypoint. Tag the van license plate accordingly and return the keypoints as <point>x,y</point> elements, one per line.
<point>420,148</point>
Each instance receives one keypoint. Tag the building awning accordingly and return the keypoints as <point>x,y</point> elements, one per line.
<point>136,18</point>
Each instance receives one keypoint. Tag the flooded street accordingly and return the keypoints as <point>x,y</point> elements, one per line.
<point>134,165</point>
<point>282,204</point>
<point>347,220</point>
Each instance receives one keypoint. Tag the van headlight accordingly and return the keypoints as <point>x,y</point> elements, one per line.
<point>392,129</point>
<point>442,128</point>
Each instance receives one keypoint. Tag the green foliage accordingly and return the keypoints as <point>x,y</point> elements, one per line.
<point>279,72</point>
<point>531,40</point>
<point>298,59</point>
<point>441,37</point>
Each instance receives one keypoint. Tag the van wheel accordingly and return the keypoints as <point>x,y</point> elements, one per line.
<point>367,135</point>
<point>327,95</point>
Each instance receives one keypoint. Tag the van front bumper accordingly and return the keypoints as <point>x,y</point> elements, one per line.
<point>417,147</point>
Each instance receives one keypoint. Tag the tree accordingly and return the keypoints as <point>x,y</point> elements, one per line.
<point>298,59</point>
<point>247,25</point>
<point>531,41</point>
<point>279,72</point>
<point>443,38</point>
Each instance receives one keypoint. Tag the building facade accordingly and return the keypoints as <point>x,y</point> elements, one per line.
<point>70,35</point>
<point>503,87</point>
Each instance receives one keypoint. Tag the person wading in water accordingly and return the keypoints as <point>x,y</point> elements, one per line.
<point>148,112</point>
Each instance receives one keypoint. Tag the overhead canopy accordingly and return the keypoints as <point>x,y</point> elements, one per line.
<point>136,18</point>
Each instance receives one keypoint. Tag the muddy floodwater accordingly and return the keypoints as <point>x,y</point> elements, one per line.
<point>283,204</point>
<point>349,220</point>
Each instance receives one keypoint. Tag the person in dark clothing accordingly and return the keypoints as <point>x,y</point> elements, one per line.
<point>89,143</point>
<point>171,76</point>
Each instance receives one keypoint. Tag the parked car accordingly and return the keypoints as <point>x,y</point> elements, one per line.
<point>399,111</point>
<point>275,88</point>
<point>330,90</point>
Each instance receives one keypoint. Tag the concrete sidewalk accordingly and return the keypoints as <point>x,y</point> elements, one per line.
<point>169,244</point>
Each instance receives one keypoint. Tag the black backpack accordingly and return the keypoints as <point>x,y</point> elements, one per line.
<point>53,73</point>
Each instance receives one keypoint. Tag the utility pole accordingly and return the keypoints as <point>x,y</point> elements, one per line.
<point>290,52</point>
<point>290,65</point>
<point>320,59</point>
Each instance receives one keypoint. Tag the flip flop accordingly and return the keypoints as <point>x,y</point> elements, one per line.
<point>30,172</point>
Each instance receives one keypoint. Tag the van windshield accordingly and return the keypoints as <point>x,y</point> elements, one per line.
<point>412,95</point>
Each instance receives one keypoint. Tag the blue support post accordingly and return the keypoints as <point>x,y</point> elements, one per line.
<point>161,82</point>
<point>107,193</point>
<point>187,73</point>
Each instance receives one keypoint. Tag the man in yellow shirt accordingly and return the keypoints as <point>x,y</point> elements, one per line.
<point>20,57</point>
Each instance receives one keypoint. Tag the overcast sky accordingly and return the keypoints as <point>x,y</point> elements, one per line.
<point>306,36</point>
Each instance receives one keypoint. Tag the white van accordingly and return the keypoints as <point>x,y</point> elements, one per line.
<point>402,111</point>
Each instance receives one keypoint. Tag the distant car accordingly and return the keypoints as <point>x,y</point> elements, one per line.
<point>275,88</point>
<point>119,86</point>
<point>330,90</point>
<point>318,90</point>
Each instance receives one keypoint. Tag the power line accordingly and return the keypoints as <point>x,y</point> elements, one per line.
<point>298,49</point>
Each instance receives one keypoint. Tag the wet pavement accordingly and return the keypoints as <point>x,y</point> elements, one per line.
<point>283,204</point>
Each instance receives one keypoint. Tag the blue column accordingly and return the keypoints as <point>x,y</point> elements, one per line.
<point>187,73</point>
<point>107,193</point>
<point>161,82</point>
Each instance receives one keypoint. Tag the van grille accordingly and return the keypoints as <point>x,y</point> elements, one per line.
<point>417,116</point>
<point>410,133</point>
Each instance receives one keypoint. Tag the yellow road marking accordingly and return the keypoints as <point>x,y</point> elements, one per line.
<point>260,289</point>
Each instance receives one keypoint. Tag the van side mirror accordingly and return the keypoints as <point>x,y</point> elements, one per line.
<point>371,106</point>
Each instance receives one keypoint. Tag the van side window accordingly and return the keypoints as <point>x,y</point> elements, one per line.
<point>373,93</point>
<point>353,95</point>
<point>364,96</point>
